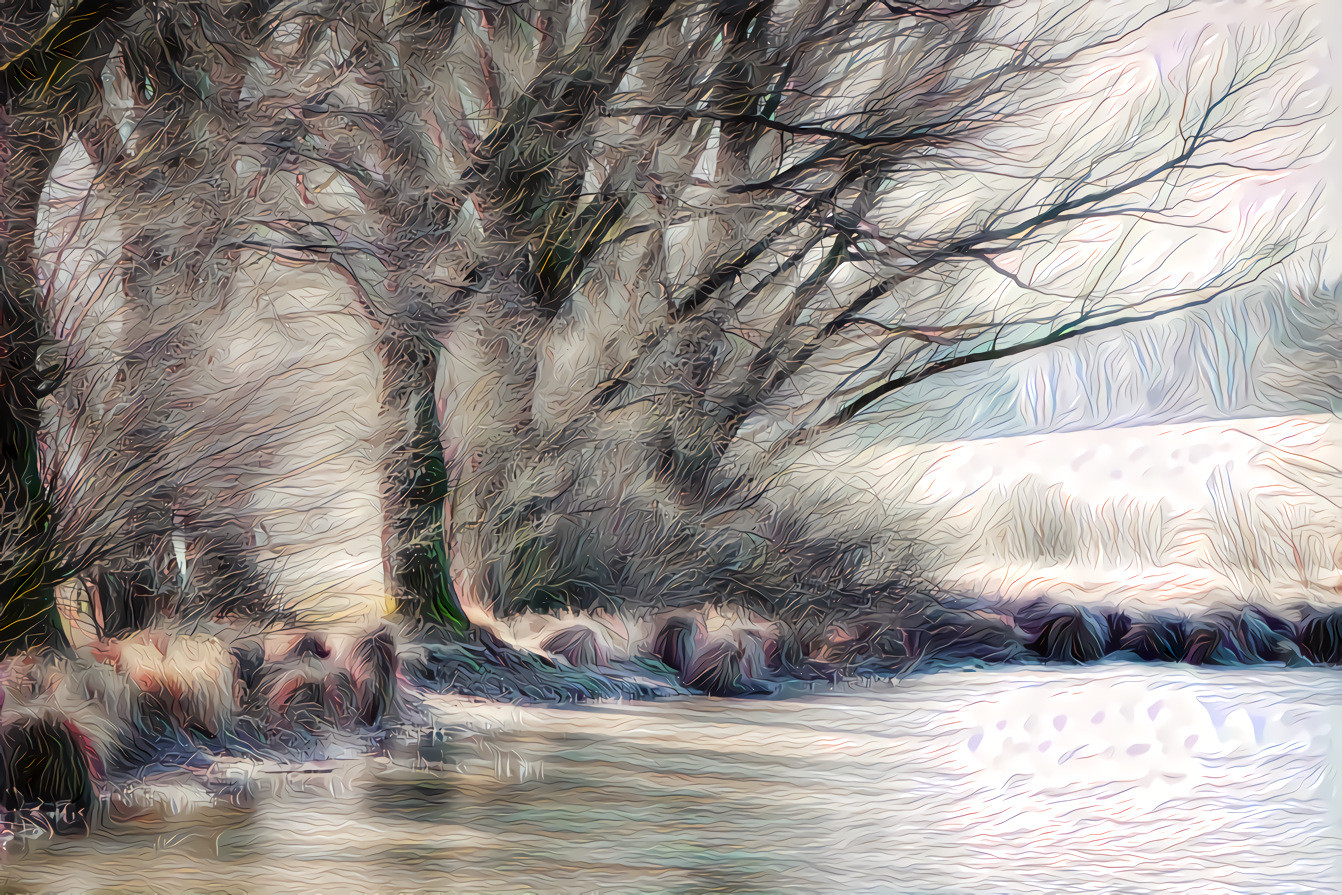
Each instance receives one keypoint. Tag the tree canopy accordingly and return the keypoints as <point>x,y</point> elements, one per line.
<point>614,267</point>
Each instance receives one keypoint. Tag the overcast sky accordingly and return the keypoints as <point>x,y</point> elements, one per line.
<point>1191,366</point>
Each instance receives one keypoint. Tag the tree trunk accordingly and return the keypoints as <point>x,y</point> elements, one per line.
<point>44,85</point>
<point>28,148</point>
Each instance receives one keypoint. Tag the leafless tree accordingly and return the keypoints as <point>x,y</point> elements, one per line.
<point>609,268</point>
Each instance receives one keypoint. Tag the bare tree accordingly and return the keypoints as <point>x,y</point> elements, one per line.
<point>758,257</point>
<point>609,268</point>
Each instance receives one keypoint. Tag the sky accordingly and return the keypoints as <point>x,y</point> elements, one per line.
<point>1189,367</point>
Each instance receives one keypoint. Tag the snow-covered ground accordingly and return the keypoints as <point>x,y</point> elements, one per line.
<point>1177,515</point>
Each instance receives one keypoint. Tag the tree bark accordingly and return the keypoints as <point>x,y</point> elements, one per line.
<point>42,89</point>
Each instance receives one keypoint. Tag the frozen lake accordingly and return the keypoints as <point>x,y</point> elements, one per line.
<point>1114,778</point>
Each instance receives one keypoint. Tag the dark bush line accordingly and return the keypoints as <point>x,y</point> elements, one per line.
<point>736,665</point>
<point>1249,636</point>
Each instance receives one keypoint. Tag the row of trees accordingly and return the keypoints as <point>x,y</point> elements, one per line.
<point>611,267</point>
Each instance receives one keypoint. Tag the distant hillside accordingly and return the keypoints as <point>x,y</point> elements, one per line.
<point>1274,352</point>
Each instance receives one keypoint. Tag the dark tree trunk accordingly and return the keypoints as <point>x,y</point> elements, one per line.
<point>416,482</point>
<point>43,87</point>
<point>29,145</point>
